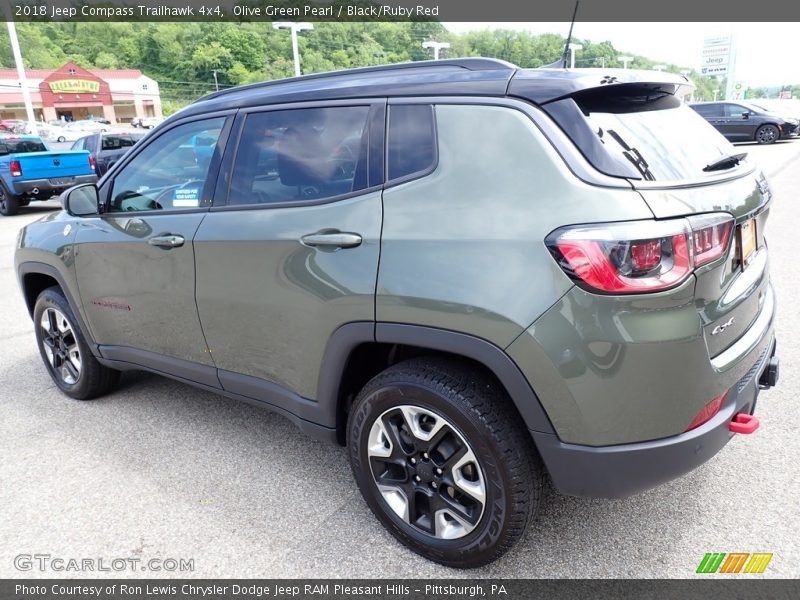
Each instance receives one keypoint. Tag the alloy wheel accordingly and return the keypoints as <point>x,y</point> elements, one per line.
<point>426,472</point>
<point>60,345</point>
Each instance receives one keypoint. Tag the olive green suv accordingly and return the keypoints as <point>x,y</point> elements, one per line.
<point>472,275</point>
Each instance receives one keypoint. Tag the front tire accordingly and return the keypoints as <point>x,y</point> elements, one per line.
<point>61,138</point>
<point>767,134</point>
<point>442,460</point>
<point>64,350</point>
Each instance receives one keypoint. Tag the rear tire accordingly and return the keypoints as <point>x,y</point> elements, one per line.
<point>9,204</point>
<point>767,134</point>
<point>444,435</point>
<point>64,350</point>
<point>61,138</point>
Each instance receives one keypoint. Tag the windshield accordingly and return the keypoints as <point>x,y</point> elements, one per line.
<point>666,144</point>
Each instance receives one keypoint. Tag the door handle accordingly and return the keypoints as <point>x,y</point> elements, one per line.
<point>166,241</point>
<point>332,239</point>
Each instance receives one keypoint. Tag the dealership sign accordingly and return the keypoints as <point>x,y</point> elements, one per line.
<point>717,53</point>
<point>74,86</point>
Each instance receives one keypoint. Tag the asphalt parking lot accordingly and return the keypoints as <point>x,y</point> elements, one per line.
<point>162,470</point>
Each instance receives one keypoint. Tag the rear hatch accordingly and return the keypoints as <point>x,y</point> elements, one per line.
<point>53,165</point>
<point>682,167</point>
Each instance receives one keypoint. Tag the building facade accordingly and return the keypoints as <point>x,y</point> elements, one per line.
<point>74,93</point>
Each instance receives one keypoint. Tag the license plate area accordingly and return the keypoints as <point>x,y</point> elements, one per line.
<point>62,180</point>
<point>747,241</point>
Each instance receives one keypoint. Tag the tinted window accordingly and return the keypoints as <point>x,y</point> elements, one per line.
<point>78,145</point>
<point>736,110</point>
<point>708,110</point>
<point>115,142</point>
<point>169,173</point>
<point>303,154</point>
<point>412,143</point>
<point>662,138</point>
<point>22,146</point>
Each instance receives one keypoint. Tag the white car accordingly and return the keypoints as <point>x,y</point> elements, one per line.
<point>151,122</point>
<point>68,133</point>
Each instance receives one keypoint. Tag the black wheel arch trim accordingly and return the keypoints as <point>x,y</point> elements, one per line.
<point>40,268</point>
<point>345,339</point>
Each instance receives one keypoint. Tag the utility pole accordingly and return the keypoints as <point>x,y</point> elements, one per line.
<point>572,49</point>
<point>436,47</point>
<point>625,60</point>
<point>216,83</point>
<point>294,28</point>
<point>23,80</point>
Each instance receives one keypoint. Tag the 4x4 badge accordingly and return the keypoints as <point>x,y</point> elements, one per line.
<point>723,327</point>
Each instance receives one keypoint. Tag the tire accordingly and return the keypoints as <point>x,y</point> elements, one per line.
<point>475,483</point>
<point>64,350</point>
<point>61,138</point>
<point>9,204</point>
<point>767,134</point>
<point>24,202</point>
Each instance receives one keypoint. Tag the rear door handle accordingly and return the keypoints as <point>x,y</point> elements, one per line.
<point>332,239</point>
<point>166,241</point>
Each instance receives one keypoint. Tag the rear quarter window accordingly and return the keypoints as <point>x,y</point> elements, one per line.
<point>412,140</point>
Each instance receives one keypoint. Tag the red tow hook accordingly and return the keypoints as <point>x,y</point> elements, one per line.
<point>744,423</point>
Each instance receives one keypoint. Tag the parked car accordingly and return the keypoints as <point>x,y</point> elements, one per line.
<point>136,122</point>
<point>91,125</point>
<point>101,120</point>
<point>29,171</point>
<point>788,108</point>
<point>107,148</point>
<point>12,125</point>
<point>468,273</point>
<point>745,122</point>
<point>151,122</point>
<point>66,133</point>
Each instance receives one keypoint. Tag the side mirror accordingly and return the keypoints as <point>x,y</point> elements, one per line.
<point>81,200</point>
<point>745,115</point>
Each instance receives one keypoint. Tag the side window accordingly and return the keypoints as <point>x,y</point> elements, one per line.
<point>735,111</point>
<point>300,154</point>
<point>115,142</point>
<point>412,139</point>
<point>170,172</point>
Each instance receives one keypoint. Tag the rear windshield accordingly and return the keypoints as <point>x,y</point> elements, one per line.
<point>113,142</point>
<point>650,133</point>
<point>22,146</point>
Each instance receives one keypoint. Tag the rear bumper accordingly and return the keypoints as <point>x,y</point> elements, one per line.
<point>623,470</point>
<point>46,187</point>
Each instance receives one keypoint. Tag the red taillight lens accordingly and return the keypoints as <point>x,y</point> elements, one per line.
<point>92,163</point>
<point>640,256</point>
<point>710,236</point>
<point>16,168</point>
<point>707,412</point>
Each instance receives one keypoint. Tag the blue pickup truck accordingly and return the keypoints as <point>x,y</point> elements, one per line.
<point>29,171</point>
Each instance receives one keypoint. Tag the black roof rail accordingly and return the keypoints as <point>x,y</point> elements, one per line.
<point>468,64</point>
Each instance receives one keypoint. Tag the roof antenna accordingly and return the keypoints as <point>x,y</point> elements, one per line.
<point>569,35</point>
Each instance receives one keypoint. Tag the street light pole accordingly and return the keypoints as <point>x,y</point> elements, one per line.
<point>572,48</point>
<point>216,83</point>
<point>294,28</point>
<point>625,60</point>
<point>436,47</point>
<point>23,80</point>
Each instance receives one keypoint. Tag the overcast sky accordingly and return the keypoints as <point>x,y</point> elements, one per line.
<point>767,53</point>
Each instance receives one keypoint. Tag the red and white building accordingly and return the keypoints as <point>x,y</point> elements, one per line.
<point>76,93</point>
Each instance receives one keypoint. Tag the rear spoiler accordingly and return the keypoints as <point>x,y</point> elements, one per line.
<point>549,85</point>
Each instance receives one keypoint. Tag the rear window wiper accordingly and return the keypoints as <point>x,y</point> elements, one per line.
<point>634,156</point>
<point>726,162</point>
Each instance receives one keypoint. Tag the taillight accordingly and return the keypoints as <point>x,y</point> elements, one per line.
<point>710,235</point>
<point>707,412</point>
<point>92,163</point>
<point>640,256</point>
<point>16,168</point>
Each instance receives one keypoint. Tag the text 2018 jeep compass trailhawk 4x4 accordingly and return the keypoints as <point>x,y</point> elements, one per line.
<point>469,273</point>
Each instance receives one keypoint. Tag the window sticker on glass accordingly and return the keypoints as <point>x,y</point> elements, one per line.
<point>186,197</point>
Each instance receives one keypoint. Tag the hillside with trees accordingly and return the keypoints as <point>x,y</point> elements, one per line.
<point>183,57</point>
